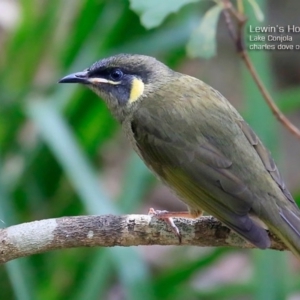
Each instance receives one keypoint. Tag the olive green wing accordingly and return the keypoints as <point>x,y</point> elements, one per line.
<point>288,211</point>
<point>197,170</point>
<point>266,158</point>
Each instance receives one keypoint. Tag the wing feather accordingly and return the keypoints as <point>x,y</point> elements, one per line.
<point>266,158</point>
<point>198,171</point>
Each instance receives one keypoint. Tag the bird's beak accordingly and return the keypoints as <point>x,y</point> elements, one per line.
<point>79,77</point>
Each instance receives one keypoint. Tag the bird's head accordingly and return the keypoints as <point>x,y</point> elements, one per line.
<point>123,80</point>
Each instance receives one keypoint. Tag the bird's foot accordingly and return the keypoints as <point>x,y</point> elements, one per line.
<point>168,216</point>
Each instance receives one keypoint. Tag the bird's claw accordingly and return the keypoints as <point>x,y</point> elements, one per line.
<point>164,215</point>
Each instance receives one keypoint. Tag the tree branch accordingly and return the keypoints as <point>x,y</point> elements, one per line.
<point>108,230</point>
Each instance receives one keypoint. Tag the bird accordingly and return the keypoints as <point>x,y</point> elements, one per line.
<point>191,137</point>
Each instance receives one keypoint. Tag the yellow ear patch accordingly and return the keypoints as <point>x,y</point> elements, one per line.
<point>137,90</point>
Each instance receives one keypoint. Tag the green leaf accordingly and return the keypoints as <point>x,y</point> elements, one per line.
<point>96,279</point>
<point>152,13</point>
<point>133,193</point>
<point>19,271</point>
<point>60,139</point>
<point>257,11</point>
<point>202,42</point>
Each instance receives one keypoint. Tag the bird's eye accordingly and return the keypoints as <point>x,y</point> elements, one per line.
<point>116,74</point>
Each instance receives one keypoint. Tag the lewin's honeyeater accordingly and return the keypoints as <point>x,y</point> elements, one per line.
<point>194,140</point>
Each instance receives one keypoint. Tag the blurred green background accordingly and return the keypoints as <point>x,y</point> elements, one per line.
<point>62,154</point>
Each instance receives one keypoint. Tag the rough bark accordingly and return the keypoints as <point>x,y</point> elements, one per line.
<point>109,230</point>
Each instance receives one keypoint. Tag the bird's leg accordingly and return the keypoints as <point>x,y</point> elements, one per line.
<point>168,216</point>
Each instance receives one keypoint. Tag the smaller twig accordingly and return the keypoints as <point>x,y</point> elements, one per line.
<point>228,21</point>
<point>237,36</point>
<point>235,33</point>
<point>274,108</point>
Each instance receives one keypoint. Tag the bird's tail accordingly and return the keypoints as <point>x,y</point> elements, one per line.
<point>287,227</point>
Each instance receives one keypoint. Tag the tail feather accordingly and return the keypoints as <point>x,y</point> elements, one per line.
<point>252,232</point>
<point>288,228</point>
<point>292,219</point>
